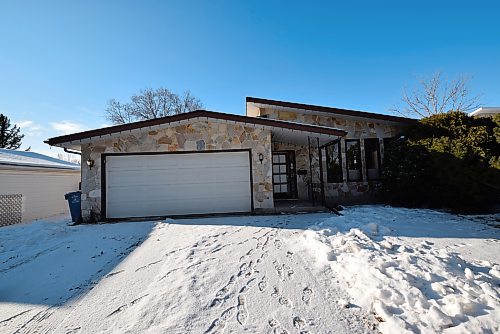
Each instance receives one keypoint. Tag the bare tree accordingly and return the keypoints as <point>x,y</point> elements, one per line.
<point>436,96</point>
<point>149,104</point>
<point>68,157</point>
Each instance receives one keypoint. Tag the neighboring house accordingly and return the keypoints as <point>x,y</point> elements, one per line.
<point>32,186</point>
<point>208,162</point>
<point>486,112</point>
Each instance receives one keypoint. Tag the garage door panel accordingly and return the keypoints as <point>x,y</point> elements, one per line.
<point>174,184</point>
<point>159,162</point>
<point>184,175</point>
<point>190,191</point>
<point>148,210</point>
<point>178,201</point>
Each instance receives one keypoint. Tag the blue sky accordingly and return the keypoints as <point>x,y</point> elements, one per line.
<point>60,61</point>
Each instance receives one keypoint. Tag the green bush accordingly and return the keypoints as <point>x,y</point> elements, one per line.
<point>446,161</point>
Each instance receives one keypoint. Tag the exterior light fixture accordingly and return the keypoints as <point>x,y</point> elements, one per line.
<point>261,158</point>
<point>90,163</point>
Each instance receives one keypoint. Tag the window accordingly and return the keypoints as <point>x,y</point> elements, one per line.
<point>353,160</point>
<point>333,163</point>
<point>372,158</point>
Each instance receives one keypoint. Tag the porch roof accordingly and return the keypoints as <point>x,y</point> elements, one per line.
<point>282,131</point>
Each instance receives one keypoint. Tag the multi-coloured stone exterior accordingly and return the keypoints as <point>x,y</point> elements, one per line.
<point>196,136</point>
<point>356,128</point>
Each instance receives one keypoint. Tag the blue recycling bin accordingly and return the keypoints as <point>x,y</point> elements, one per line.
<point>74,199</point>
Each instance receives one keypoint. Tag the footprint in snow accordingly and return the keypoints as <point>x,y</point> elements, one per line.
<point>73,330</point>
<point>228,314</point>
<point>242,315</point>
<point>251,283</point>
<point>265,246</point>
<point>217,327</point>
<point>299,323</point>
<point>289,272</point>
<point>263,284</point>
<point>280,269</point>
<point>249,270</point>
<point>222,294</point>
<point>243,269</point>
<point>276,326</point>
<point>281,299</point>
<point>285,301</point>
<point>306,295</point>
<point>278,244</point>
<point>273,323</point>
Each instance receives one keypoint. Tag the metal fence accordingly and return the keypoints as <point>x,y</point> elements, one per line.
<point>11,207</point>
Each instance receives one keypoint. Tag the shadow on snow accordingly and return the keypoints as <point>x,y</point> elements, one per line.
<point>57,263</point>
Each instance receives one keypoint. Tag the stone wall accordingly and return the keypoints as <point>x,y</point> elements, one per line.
<point>355,127</point>
<point>197,136</point>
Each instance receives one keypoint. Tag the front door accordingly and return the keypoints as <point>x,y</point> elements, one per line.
<point>284,179</point>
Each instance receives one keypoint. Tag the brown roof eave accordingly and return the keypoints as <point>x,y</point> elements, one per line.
<point>339,111</point>
<point>194,114</point>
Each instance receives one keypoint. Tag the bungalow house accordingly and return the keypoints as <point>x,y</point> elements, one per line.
<point>209,162</point>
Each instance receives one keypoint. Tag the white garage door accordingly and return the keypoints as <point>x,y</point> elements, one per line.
<point>177,184</point>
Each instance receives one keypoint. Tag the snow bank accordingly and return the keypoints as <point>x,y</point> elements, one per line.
<point>410,285</point>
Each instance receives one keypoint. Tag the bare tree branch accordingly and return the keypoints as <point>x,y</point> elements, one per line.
<point>433,96</point>
<point>119,113</point>
<point>151,103</point>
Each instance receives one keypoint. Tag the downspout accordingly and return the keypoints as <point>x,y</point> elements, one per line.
<point>71,151</point>
<point>80,154</point>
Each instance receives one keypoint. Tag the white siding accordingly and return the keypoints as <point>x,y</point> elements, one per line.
<point>42,190</point>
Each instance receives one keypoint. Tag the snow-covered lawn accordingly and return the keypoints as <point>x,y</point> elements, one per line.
<point>374,269</point>
<point>418,271</point>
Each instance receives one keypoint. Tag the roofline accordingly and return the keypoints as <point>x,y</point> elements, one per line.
<point>485,109</point>
<point>194,114</point>
<point>30,166</point>
<point>331,110</point>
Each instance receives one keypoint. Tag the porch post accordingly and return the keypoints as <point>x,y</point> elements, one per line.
<point>310,169</point>
<point>322,184</point>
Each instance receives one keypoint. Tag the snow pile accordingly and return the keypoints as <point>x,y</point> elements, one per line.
<point>409,284</point>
